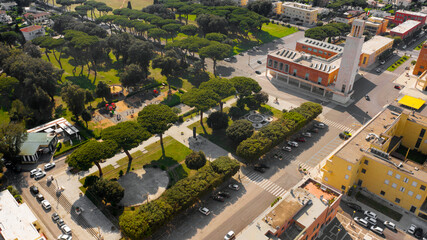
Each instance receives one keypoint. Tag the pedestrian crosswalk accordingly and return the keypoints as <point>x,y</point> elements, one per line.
<point>338,125</point>
<point>266,184</point>
<point>303,165</point>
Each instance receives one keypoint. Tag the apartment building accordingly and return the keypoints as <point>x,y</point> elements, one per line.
<point>373,48</point>
<point>376,25</point>
<point>298,11</point>
<point>421,64</point>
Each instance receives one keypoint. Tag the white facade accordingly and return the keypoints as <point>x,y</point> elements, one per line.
<point>32,32</point>
<point>4,18</point>
<point>350,62</point>
<point>306,13</point>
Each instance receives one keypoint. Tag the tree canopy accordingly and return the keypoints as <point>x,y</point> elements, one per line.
<point>245,86</point>
<point>201,99</point>
<point>195,160</point>
<point>240,130</point>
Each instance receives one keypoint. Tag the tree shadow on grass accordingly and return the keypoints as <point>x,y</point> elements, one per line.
<point>196,79</point>
<point>82,81</point>
<point>164,162</point>
<point>175,81</point>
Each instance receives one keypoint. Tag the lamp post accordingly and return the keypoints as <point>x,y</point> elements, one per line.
<point>338,233</point>
<point>352,218</point>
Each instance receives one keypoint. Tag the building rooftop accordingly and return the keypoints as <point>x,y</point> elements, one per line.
<point>412,13</point>
<point>375,43</point>
<point>405,26</point>
<point>299,5</point>
<point>322,45</point>
<point>16,220</point>
<point>357,146</point>
<point>31,28</point>
<point>34,141</point>
<point>35,15</point>
<point>308,60</point>
<point>57,126</point>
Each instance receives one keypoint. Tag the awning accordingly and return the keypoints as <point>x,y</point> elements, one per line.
<point>412,102</point>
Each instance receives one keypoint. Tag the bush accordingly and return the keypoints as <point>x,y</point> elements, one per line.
<point>254,147</point>
<point>90,180</point>
<point>240,130</point>
<point>235,113</point>
<point>120,173</point>
<point>181,119</point>
<point>217,120</point>
<point>106,191</point>
<point>195,160</point>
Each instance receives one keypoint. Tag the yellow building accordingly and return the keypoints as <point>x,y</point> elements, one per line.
<point>376,25</point>
<point>372,49</point>
<point>368,159</point>
<point>298,11</point>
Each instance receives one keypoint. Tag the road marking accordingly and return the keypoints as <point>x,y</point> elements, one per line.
<point>338,125</point>
<point>265,184</point>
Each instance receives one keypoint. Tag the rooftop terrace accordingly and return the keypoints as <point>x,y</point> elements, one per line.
<point>322,45</point>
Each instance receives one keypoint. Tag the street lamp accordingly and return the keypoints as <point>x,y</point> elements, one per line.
<point>352,218</point>
<point>338,233</point>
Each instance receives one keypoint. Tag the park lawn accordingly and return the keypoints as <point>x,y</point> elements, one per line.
<point>419,46</point>
<point>191,18</point>
<point>140,4</point>
<point>4,116</point>
<point>399,62</point>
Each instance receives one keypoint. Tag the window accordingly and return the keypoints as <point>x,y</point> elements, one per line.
<point>405,180</point>
<point>364,60</point>
<point>394,185</point>
<point>281,66</point>
<point>319,81</point>
<point>423,131</point>
<point>343,188</point>
<point>275,64</point>
<point>309,49</point>
<point>307,75</point>
<point>397,176</point>
<point>414,183</point>
<point>349,167</point>
<point>346,176</point>
<point>326,179</point>
<point>366,162</point>
<point>402,189</point>
<point>270,62</point>
<point>295,72</point>
<point>422,187</point>
<point>303,47</point>
<point>390,173</point>
<point>413,208</point>
<point>397,200</point>
<point>410,193</point>
<point>314,50</point>
<point>320,51</point>
<point>382,193</point>
<point>363,170</point>
<point>417,144</point>
<point>386,182</point>
<point>418,197</point>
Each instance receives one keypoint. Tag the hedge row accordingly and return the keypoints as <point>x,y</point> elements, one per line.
<point>276,132</point>
<point>149,217</point>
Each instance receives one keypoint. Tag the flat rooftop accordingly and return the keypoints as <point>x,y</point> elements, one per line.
<point>308,60</point>
<point>322,45</point>
<point>375,43</point>
<point>299,6</point>
<point>405,26</point>
<point>412,13</point>
<point>16,220</point>
<point>357,146</point>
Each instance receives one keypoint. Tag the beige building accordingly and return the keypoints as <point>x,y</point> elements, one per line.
<point>376,25</point>
<point>372,49</point>
<point>298,11</point>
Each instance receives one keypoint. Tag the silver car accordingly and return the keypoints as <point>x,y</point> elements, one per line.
<point>377,230</point>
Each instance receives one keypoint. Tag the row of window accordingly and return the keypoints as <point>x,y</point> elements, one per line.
<point>402,189</point>
<point>315,50</point>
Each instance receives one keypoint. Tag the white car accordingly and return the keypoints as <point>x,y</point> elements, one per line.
<point>65,237</point>
<point>320,125</point>
<point>378,70</point>
<point>287,148</point>
<point>66,230</point>
<point>361,221</point>
<point>371,220</point>
<point>39,175</point>
<point>306,134</point>
<point>229,235</point>
<point>204,210</point>
<point>235,187</point>
<point>292,143</point>
<point>49,166</point>
<point>411,229</point>
<point>390,225</point>
<point>34,171</point>
<point>227,59</point>
<point>371,214</point>
<point>377,229</point>
<point>382,62</point>
<point>46,205</point>
<point>404,47</point>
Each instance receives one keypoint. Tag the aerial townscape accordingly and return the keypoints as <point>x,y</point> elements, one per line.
<point>213,119</point>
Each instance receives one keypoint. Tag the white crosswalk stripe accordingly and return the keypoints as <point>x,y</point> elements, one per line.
<point>303,165</point>
<point>338,125</point>
<point>265,184</point>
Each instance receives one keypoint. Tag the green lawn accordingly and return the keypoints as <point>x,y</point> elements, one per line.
<point>397,63</point>
<point>379,207</point>
<point>175,153</point>
<point>419,46</point>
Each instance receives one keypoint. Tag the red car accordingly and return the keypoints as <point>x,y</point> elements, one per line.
<point>300,139</point>
<point>398,87</point>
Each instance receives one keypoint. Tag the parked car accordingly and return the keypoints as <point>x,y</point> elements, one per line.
<point>66,230</point>
<point>319,125</point>
<point>300,139</point>
<point>345,135</point>
<point>259,61</point>
<point>354,206</point>
<point>60,222</point>
<point>227,59</point>
<point>204,211</point>
<point>411,229</point>
<point>377,230</point>
<point>65,237</point>
<point>259,169</point>
<point>382,62</point>
<point>34,189</point>
<point>261,165</point>
<point>55,217</point>
<point>390,225</point>
<point>378,70</point>
<point>258,72</point>
<point>367,98</point>
<point>229,235</point>
<point>46,205</point>
<point>40,197</point>
<point>306,134</point>
<point>235,187</point>
<point>39,175</point>
<point>224,194</point>
<point>398,87</point>
<point>404,46</point>
<point>314,130</point>
<point>218,198</point>
<point>361,221</point>
<point>418,233</point>
<point>287,148</point>
<point>34,171</point>
<point>49,166</point>
<point>241,54</point>
<point>292,143</point>
<point>370,214</point>
<point>371,220</point>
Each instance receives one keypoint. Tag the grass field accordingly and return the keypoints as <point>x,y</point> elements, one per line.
<point>397,63</point>
<point>138,4</point>
<point>419,46</point>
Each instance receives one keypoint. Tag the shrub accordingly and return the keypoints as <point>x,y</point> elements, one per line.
<point>240,130</point>
<point>235,113</point>
<point>195,160</point>
<point>217,120</point>
<point>90,180</point>
<point>120,173</point>
<point>254,147</point>
<point>107,191</point>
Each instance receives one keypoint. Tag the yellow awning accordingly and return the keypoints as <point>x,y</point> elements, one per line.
<point>412,102</point>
